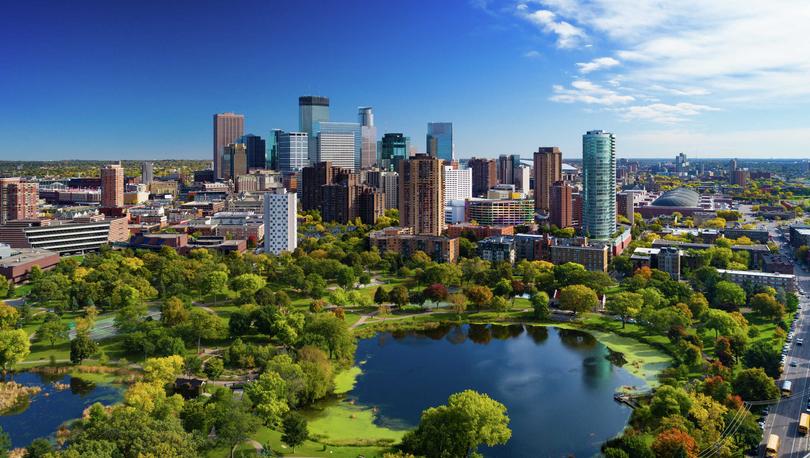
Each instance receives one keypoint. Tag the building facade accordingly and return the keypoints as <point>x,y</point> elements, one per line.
<point>236,155</point>
<point>547,171</point>
<point>561,205</point>
<point>599,182</point>
<point>340,143</point>
<point>292,151</point>
<point>256,149</point>
<point>280,221</point>
<point>112,186</point>
<point>457,183</point>
<point>393,148</point>
<point>440,140</point>
<point>147,172</point>
<point>368,135</point>
<point>484,175</point>
<point>312,110</point>
<point>421,194</point>
<point>228,128</point>
<point>18,199</point>
<point>499,212</point>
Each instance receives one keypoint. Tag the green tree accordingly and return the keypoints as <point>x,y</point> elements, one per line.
<point>9,316</point>
<point>479,295</point>
<point>578,298</point>
<point>720,321</point>
<point>39,448</point>
<point>52,329</point>
<point>456,430</point>
<point>204,325</point>
<point>14,347</point>
<point>331,334</point>
<point>762,354</point>
<point>754,384</point>
<point>294,430</point>
<point>214,367</point>
<point>766,305</point>
<point>82,347</point>
<point>216,283</point>
<point>174,312</point>
<point>436,292</point>
<point>380,296</point>
<point>269,397</point>
<point>729,296</point>
<point>540,305</point>
<point>625,304</point>
<point>499,304</point>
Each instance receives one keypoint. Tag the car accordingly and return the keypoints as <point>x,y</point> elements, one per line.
<point>794,364</point>
<point>799,341</point>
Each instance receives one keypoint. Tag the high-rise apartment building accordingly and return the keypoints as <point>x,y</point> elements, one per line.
<point>280,221</point>
<point>341,197</point>
<point>18,199</point>
<point>228,128</point>
<point>371,203</point>
<point>507,167</point>
<point>312,110</point>
<point>599,183</point>
<point>457,183</point>
<point>313,178</point>
<point>484,175</point>
<point>256,149</point>
<point>235,158</point>
<point>625,205</point>
<point>147,172</point>
<point>561,211</point>
<point>368,134</point>
<point>393,148</point>
<point>421,194</point>
<point>521,178</point>
<point>292,151</point>
<point>440,140</point>
<point>547,170</point>
<point>340,143</point>
<point>389,183</point>
<point>112,186</point>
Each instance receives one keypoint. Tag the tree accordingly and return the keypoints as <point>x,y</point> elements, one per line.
<point>625,304</point>
<point>5,443</point>
<point>398,295</point>
<point>766,305</point>
<point>578,298</point>
<point>233,423</point>
<point>436,292</point>
<point>720,321</point>
<point>456,430</point>
<point>380,296</point>
<point>216,283</point>
<point>162,371</point>
<point>294,430</point>
<point>82,347</point>
<point>14,347</point>
<point>214,367</point>
<point>52,329</point>
<point>174,312</point>
<point>9,316</point>
<point>346,277</point>
<point>479,295</point>
<point>698,305</point>
<point>204,325</point>
<point>728,296</point>
<point>674,443</point>
<point>755,385</point>
<point>318,373</point>
<point>269,397</point>
<point>499,304</point>
<point>39,448</point>
<point>762,354</point>
<point>540,305</point>
<point>458,301</point>
<point>248,283</point>
<point>332,334</point>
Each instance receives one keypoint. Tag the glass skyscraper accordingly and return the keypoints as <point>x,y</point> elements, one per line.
<point>440,140</point>
<point>312,110</point>
<point>393,148</point>
<point>256,151</point>
<point>599,180</point>
<point>271,158</point>
<point>293,148</point>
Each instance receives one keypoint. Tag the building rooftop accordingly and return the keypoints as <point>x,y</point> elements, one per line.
<point>754,273</point>
<point>10,257</point>
<point>680,197</point>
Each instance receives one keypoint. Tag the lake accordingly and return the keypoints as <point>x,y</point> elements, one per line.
<point>556,384</point>
<point>45,413</point>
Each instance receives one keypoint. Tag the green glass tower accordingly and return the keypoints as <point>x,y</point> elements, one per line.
<point>599,180</point>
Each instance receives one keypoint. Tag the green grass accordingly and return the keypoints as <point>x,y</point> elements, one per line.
<point>272,439</point>
<point>347,424</point>
<point>345,380</point>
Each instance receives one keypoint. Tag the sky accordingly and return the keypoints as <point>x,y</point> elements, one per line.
<point>141,79</point>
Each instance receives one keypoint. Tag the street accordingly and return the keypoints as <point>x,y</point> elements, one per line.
<point>783,417</point>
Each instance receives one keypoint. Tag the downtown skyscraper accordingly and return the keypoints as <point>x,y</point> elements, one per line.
<point>599,182</point>
<point>440,140</point>
<point>368,134</point>
<point>228,128</point>
<point>312,110</point>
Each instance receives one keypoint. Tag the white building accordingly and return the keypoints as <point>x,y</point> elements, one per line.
<point>293,151</point>
<point>280,221</point>
<point>457,184</point>
<point>520,178</point>
<point>340,143</point>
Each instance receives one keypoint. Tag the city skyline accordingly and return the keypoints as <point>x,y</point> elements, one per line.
<point>514,75</point>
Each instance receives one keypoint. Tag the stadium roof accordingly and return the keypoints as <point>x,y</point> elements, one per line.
<point>680,197</point>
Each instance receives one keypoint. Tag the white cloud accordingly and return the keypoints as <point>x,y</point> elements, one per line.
<point>664,113</point>
<point>568,35</point>
<point>585,91</point>
<point>532,54</point>
<point>597,64</point>
<point>717,143</point>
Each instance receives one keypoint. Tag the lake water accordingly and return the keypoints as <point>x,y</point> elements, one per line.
<point>556,384</point>
<point>44,414</point>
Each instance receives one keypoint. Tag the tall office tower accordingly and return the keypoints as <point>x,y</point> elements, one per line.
<point>507,166</point>
<point>280,221</point>
<point>340,143</point>
<point>256,149</point>
<point>421,194</point>
<point>561,214</point>
<point>292,150</point>
<point>18,199</point>
<point>235,158</point>
<point>147,172</point>
<point>228,128</point>
<point>457,183</point>
<point>547,170</point>
<point>599,181</point>
<point>271,158</point>
<point>313,178</point>
<point>440,140</point>
<point>732,166</point>
<point>393,148</point>
<point>521,178</point>
<point>741,177</point>
<point>484,175</point>
<point>112,186</point>
<point>312,110</point>
<point>368,134</point>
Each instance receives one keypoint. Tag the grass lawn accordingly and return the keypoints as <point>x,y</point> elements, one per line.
<point>345,380</point>
<point>272,439</point>
<point>346,424</point>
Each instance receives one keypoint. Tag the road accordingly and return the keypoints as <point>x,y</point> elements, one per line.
<point>784,416</point>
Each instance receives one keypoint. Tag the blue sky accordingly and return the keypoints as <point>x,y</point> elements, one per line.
<point>126,79</point>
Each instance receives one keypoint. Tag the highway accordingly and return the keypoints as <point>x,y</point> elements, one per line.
<point>783,417</point>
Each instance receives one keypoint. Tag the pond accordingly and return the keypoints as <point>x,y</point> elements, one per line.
<point>51,407</point>
<point>557,384</point>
